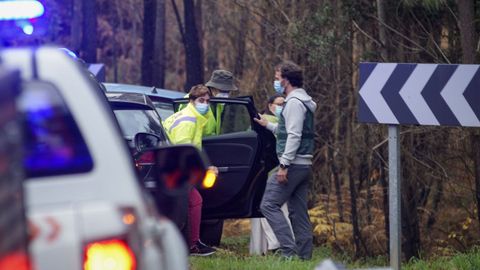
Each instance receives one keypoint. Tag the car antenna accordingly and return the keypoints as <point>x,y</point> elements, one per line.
<point>154,90</point>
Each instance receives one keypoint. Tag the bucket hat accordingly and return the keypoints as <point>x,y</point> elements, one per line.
<point>222,80</point>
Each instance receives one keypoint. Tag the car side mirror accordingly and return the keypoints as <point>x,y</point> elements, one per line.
<point>143,141</point>
<point>177,165</point>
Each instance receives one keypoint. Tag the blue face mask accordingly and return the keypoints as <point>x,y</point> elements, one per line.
<point>202,108</point>
<point>278,87</point>
<point>278,110</point>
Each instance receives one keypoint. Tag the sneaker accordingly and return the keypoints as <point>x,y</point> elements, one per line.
<point>200,249</point>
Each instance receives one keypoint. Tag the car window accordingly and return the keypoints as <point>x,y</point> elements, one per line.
<point>53,142</point>
<point>234,118</point>
<point>133,121</point>
<point>163,109</point>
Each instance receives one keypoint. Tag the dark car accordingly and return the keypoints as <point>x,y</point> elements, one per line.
<point>161,98</point>
<point>243,151</point>
<point>136,116</point>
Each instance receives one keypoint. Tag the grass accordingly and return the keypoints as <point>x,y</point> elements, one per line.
<point>233,255</point>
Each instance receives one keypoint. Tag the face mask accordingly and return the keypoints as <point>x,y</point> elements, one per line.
<point>222,95</point>
<point>278,110</point>
<point>202,108</point>
<point>278,87</point>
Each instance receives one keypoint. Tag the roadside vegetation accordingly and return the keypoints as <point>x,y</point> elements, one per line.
<point>233,255</point>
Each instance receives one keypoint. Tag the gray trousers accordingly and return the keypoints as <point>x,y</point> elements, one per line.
<point>294,192</point>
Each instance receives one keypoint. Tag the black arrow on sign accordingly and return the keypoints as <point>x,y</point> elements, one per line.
<point>391,93</point>
<point>472,93</point>
<point>431,94</point>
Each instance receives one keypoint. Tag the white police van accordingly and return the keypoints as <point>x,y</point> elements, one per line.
<point>85,204</point>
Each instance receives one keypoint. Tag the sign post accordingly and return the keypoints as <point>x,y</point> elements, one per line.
<point>394,195</point>
<point>415,94</point>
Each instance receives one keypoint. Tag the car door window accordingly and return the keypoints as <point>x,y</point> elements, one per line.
<point>233,118</point>
<point>135,121</point>
<point>53,142</point>
<point>163,109</point>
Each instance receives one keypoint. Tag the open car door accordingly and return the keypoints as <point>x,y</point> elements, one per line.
<point>244,153</point>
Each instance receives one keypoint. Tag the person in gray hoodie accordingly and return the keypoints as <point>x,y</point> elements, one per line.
<point>290,182</point>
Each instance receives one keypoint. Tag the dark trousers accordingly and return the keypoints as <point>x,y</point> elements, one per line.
<point>294,192</point>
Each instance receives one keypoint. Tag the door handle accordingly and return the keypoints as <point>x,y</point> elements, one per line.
<point>223,169</point>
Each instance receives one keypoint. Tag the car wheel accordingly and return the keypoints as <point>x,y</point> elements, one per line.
<point>211,231</point>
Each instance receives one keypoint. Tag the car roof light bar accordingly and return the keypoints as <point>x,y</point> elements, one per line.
<point>20,10</point>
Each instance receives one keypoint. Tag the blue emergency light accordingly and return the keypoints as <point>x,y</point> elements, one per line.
<point>20,10</point>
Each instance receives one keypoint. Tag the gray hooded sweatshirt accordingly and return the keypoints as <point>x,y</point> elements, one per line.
<point>294,114</point>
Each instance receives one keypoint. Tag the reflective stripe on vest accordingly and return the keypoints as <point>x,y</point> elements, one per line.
<point>182,119</point>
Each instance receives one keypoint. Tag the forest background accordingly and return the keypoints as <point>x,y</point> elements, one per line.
<point>175,44</point>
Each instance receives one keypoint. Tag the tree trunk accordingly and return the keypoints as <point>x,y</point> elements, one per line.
<point>382,19</point>
<point>212,39</point>
<point>89,36</point>
<point>409,205</point>
<point>239,60</point>
<point>148,53</point>
<point>199,23</point>
<point>437,199</point>
<point>476,158</point>
<point>466,24</point>
<point>336,181</point>
<point>76,28</point>
<point>194,59</point>
<point>159,44</point>
<point>386,209</point>
<point>354,215</point>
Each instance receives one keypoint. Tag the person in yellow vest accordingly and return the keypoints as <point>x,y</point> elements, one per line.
<point>220,85</point>
<point>187,127</point>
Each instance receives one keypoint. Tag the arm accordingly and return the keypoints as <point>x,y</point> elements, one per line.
<point>264,123</point>
<point>183,133</point>
<point>272,127</point>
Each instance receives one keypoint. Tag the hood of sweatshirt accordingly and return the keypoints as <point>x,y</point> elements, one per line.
<point>302,95</point>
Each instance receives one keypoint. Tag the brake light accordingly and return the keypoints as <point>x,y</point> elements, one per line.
<point>16,260</point>
<point>209,179</point>
<point>109,255</point>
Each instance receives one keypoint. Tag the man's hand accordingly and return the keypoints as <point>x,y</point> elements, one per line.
<point>262,121</point>
<point>282,176</point>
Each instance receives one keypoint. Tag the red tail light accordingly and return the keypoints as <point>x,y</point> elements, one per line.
<point>109,255</point>
<point>16,260</point>
<point>146,158</point>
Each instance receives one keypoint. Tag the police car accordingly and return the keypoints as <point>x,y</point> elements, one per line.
<point>83,198</point>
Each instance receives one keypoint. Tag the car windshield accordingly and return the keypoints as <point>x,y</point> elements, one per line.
<point>134,121</point>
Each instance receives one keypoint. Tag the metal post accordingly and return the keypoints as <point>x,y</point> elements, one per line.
<point>394,193</point>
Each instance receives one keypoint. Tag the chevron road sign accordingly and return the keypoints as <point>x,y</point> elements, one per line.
<point>419,94</point>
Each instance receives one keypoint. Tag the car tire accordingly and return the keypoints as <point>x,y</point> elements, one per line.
<point>211,232</point>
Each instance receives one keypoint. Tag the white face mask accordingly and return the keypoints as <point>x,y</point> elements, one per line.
<point>222,95</point>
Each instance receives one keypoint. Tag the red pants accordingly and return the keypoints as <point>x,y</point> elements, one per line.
<point>194,215</point>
